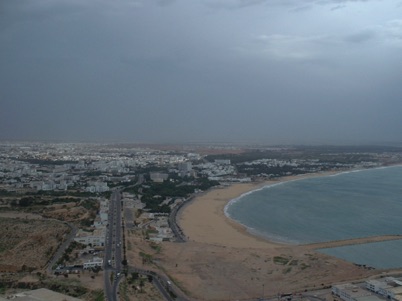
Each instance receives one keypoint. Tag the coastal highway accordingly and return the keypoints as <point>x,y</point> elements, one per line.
<point>177,231</point>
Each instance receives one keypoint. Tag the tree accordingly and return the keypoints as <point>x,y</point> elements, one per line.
<point>141,285</point>
<point>134,276</point>
<point>96,269</point>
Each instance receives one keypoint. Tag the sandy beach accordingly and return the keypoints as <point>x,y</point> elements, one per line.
<point>204,219</point>
<point>222,261</point>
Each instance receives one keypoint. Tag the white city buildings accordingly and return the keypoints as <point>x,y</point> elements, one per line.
<point>389,287</point>
<point>97,187</point>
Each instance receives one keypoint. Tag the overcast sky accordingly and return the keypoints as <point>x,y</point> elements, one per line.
<point>267,71</point>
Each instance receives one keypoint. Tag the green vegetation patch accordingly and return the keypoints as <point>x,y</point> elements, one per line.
<point>156,247</point>
<point>98,295</point>
<point>146,258</point>
<point>67,286</point>
<point>281,260</point>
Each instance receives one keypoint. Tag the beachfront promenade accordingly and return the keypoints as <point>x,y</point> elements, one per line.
<point>177,231</point>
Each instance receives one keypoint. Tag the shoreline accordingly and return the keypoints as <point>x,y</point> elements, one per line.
<point>205,219</point>
<point>220,255</point>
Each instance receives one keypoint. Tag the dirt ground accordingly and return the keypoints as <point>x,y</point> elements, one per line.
<point>213,272</point>
<point>27,244</point>
<point>132,290</point>
<point>222,261</point>
<point>89,279</point>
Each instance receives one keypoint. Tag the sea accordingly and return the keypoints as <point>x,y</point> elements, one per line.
<point>354,204</point>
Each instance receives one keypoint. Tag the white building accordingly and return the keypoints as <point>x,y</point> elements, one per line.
<point>36,185</point>
<point>375,285</point>
<point>158,177</point>
<point>95,238</point>
<point>222,161</point>
<point>185,169</point>
<point>49,185</point>
<point>97,187</point>
<point>95,262</point>
<point>389,287</point>
<point>349,292</point>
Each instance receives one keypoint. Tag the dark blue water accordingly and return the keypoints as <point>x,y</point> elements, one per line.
<point>348,205</point>
<point>379,255</point>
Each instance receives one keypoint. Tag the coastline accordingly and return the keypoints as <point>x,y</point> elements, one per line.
<point>204,219</point>
<point>221,258</point>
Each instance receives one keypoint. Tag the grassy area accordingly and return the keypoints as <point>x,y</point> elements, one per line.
<point>71,287</point>
<point>281,260</point>
<point>2,289</point>
<point>99,295</point>
<point>156,247</point>
<point>124,291</point>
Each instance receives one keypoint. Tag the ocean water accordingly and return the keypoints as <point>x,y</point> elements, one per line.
<point>379,255</point>
<point>343,206</point>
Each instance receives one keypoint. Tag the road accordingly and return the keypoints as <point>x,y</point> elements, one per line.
<point>177,231</point>
<point>61,248</point>
<point>113,255</point>
<point>162,283</point>
<point>112,259</point>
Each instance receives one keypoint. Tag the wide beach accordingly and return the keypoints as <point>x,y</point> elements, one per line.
<point>222,261</point>
<point>204,220</point>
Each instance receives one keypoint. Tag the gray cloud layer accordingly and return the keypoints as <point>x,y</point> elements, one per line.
<point>174,70</point>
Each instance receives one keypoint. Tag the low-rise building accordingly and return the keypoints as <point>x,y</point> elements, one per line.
<point>375,285</point>
<point>350,292</point>
<point>93,263</point>
<point>158,177</point>
<point>97,187</point>
<point>95,238</point>
<point>388,287</point>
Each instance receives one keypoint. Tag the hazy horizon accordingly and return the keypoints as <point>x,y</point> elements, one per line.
<point>210,71</point>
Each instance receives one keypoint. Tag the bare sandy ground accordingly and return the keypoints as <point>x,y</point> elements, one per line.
<point>222,261</point>
<point>204,221</point>
<point>22,215</point>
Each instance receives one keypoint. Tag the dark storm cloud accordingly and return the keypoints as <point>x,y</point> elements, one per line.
<point>168,71</point>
